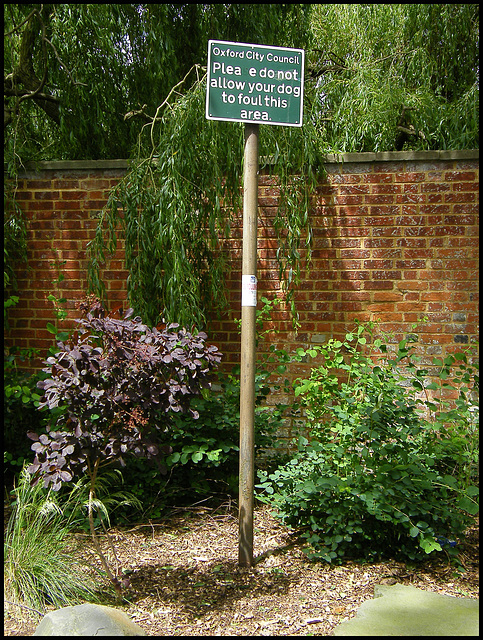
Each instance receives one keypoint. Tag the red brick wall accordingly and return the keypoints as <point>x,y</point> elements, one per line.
<point>61,203</point>
<point>395,237</point>
<point>395,240</point>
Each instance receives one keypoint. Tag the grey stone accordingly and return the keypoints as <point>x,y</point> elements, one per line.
<point>88,620</point>
<point>401,610</point>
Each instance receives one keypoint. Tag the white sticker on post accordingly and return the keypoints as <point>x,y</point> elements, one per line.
<point>249,291</point>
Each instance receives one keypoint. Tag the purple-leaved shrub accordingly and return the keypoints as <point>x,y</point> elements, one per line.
<point>112,388</point>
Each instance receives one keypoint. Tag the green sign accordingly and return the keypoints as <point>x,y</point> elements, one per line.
<point>255,83</point>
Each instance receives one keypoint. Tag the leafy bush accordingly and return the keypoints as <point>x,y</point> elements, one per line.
<point>21,395</point>
<point>112,391</point>
<point>453,437</point>
<point>369,482</point>
<point>204,459</point>
<point>212,442</point>
<point>19,410</point>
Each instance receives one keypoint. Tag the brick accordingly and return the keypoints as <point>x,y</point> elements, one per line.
<point>386,275</point>
<point>370,221</point>
<point>460,176</point>
<point>95,183</point>
<point>39,184</point>
<point>414,198</point>
<point>387,296</point>
<point>377,178</point>
<point>46,195</point>
<point>465,186</point>
<point>378,199</point>
<point>378,242</point>
<point>466,209</point>
<point>460,197</point>
<point>73,195</point>
<point>410,264</point>
<point>382,284</point>
<point>68,205</point>
<point>419,231</point>
<point>40,205</point>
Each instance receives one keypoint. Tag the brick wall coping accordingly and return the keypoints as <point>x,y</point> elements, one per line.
<point>330,158</point>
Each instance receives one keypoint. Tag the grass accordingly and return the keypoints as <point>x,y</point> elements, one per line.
<point>39,564</point>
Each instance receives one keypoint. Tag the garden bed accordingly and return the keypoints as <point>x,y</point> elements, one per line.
<point>184,578</point>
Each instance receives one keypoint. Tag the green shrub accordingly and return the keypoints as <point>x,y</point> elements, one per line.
<point>204,459</point>
<point>453,436</point>
<point>374,478</point>
<point>19,411</point>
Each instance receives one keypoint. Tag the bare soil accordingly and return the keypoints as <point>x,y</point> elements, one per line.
<point>184,579</point>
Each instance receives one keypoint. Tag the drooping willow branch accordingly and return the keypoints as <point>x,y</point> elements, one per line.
<point>174,207</point>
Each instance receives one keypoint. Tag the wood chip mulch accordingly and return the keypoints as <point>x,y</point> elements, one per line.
<point>184,579</point>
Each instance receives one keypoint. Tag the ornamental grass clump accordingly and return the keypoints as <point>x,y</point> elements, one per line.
<point>40,564</point>
<point>382,471</point>
<point>112,390</point>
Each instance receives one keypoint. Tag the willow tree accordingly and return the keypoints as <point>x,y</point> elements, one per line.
<point>396,76</point>
<point>88,81</point>
<point>175,206</point>
<point>377,79</point>
<point>82,81</point>
<point>73,71</point>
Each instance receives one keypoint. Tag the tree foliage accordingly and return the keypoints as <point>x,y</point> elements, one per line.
<point>394,76</point>
<point>73,71</point>
<point>109,81</point>
<point>75,75</point>
<point>174,207</point>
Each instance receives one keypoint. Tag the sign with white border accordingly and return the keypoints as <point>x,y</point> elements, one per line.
<point>255,83</point>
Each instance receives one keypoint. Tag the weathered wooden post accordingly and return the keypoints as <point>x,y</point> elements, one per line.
<point>248,345</point>
<point>254,84</point>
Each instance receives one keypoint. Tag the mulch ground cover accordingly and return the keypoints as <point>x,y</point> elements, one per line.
<point>184,578</point>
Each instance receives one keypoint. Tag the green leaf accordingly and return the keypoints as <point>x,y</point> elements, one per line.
<point>173,458</point>
<point>429,544</point>
<point>468,505</point>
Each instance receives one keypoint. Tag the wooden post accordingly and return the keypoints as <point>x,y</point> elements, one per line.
<point>248,350</point>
